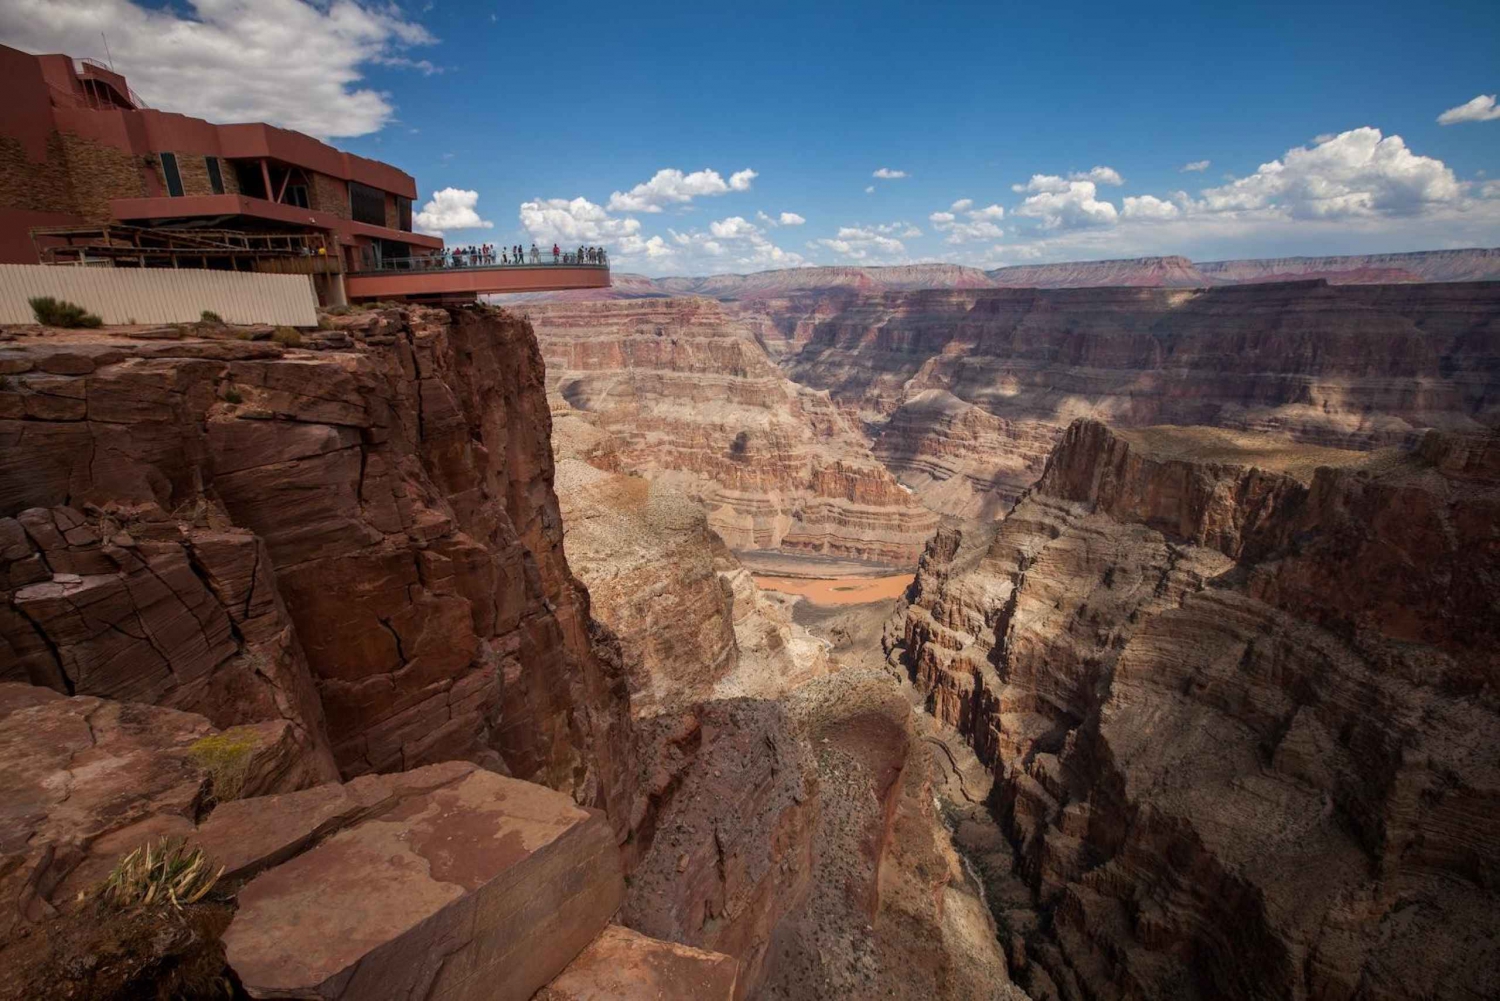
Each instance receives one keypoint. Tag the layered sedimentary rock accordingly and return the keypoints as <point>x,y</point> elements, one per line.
<point>358,536</point>
<point>695,401</point>
<point>692,624</point>
<point>1239,700</point>
<point>1347,366</point>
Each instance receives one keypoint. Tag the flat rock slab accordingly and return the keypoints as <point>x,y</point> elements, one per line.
<point>444,883</point>
<point>624,965</point>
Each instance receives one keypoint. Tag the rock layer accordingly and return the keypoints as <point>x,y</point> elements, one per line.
<point>695,401</point>
<point>1241,711</point>
<point>970,390</point>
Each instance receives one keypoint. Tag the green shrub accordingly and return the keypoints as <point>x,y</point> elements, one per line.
<point>233,395</point>
<point>209,316</point>
<point>167,871</point>
<point>225,756</point>
<point>287,337</point>
<point>51,312</point>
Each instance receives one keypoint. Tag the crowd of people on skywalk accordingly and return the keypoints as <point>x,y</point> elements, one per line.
<point>487,255</point>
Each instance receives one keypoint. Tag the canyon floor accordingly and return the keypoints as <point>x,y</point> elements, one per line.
<point>820,643</point>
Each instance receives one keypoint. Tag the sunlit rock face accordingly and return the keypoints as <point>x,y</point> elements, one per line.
<point>966,392</point>
<point>695,402</point>
<point>1239,698</point>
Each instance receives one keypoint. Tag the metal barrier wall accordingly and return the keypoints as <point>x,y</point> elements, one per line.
<point>160,295</point>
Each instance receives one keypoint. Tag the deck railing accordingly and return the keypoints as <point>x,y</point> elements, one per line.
<point>439,262</point>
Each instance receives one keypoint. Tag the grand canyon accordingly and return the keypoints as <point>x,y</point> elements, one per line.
<point>1072,632</point>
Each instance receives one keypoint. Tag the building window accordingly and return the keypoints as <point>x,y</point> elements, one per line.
<point>403,214</point>
<point>296,194</point>
<point>215,175</point>
<point>174,179</point>
<point>366,204</point>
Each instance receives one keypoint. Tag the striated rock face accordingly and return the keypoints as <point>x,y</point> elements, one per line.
<point>695,401</point>
<point>691,623</point>
<point>971,390</point>
<point>1239,700</point>
<point>359,537</point>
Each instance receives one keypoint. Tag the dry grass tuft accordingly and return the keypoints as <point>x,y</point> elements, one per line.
<point>287,337</point>
<point>164,872</point>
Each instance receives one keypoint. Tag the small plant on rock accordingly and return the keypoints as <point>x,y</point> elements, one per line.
<point>165,872</point>
<point>225,756</point>
<point>232,395</point>
<point>287,337</point>
<point>50,312</point>
<point>209,316</point>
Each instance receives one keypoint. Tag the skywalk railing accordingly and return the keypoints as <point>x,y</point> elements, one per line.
<point>450,262</point>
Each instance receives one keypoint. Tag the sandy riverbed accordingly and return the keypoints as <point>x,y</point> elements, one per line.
<point>838,590</point>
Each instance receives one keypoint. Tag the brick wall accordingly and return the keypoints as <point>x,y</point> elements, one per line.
<point>193,168</point>
<point>329,194</point>
<point>98,173</point>
<point>31,185</point>
<point>390,211</point>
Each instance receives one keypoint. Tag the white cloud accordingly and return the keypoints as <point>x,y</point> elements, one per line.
<point>1197,166</point>
<point>1355,173</point>
<point>673,187</point>
<point>865,244</point>
<point>732,244</point>
<point>791,219</point>
<point>1065,204</point>
<point>870,190</point>
<point>1480,109</point>
<point>1099,175</point>
<point>450,209</point>
<point>887,174</point>
<point>293,64</point>
<point>1149,207</point>
<point>980,223</point>
<point>560,220</point>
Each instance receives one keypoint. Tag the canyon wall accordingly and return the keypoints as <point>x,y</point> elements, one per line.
<point>695,402</point>
<point>1239,699</point>
<point>357,536</point>
<point>969,391</point>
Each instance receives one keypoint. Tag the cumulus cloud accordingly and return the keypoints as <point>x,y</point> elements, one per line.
<point>965,224</point>
<point>732,244</point>
<point>673,187</point>
<point>560,220</point>
<point>864,243</point>
<point>1480,109</point>
<point>1197,166</point>
<point>450,209</point>
<point>293,64</point>
<point>1061,204</point>
<point>1099,175</point>
<point>887,174</point>
<point>791,219</point>
<point>1355,173</point>
<point>1149,207</point>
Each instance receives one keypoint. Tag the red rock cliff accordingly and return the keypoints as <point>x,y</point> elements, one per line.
<point>359,536</point>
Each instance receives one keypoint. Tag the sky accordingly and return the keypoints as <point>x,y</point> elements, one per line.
<point>699,139</point>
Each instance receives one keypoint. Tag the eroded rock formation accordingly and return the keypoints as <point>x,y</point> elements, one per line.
<point>695,402</point>
<point>970,390</point>
<point>1240,703</point>
<point>358,536</point>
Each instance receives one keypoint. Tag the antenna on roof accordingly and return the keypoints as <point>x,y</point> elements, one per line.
<point>107,56</point>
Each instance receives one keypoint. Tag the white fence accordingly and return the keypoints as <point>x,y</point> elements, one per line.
<point>160,295</point>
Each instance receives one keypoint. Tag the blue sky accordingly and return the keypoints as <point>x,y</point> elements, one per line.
<point>541,119</point>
